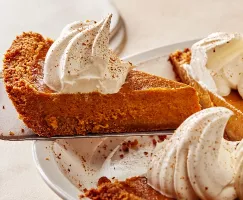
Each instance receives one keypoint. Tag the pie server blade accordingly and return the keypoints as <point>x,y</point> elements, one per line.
<point>89,135</point>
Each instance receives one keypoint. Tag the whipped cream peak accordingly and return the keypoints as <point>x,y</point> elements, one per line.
<point>80,60</point>
<point>217,61</point>
<point>197,162</point>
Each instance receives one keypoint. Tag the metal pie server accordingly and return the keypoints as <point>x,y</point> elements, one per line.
<point>89,135</point>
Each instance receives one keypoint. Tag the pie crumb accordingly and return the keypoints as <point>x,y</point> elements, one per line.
<point>11,133</point>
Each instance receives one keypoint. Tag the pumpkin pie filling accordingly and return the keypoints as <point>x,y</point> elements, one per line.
<point>179,58</point>
<point>191,69</point>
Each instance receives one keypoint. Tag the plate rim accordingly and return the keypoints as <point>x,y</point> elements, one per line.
<point>146,56</point>
<point>61,193</point>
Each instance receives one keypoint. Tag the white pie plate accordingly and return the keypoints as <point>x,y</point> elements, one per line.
<point>69,166</point>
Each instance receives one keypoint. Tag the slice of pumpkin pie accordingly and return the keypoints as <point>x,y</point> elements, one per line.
<point>214,67</point>
<point>77,85</point>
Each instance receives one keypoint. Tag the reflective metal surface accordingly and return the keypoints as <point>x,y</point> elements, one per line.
<point>89,135</point>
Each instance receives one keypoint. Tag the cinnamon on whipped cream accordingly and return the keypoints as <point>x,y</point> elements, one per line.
<point>217,62</point>
<point>197,162</point>
<point>80,60</point>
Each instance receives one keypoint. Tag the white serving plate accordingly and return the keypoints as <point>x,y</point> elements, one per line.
<point>69,166</point>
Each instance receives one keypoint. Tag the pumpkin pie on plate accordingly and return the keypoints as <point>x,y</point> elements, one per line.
<point>135,188</point>
<point>77,85</point>
<point>213,66</point>
<point>196,162</point>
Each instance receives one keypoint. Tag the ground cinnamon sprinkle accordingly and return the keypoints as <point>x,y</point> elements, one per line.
<point>125,147</point>
<point>129,145</point>
<point>154,142</point>
<point>59,156</point>
<point>11,133</point>
<point>162,137</point>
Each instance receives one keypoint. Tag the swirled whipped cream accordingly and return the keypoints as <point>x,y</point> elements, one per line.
<point>197,162</point>
<point>80,60</point>
<point>217,62</point>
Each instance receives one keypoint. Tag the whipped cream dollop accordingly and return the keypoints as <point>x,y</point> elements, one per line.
<point>197,162</point>
<point>217,62</point>
<point>80,60</point>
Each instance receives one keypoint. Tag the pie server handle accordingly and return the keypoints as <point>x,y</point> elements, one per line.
<point>89,135</point>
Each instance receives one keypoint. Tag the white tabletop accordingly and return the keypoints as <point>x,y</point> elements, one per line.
<point>149,24</point>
